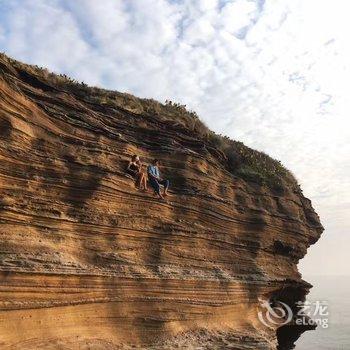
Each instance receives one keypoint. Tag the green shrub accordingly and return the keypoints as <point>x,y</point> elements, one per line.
<point>249,174</point>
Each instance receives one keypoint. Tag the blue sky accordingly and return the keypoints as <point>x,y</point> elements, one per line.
<point>273,74</point>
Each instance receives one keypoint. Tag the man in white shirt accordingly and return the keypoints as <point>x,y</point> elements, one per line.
<point>155,180</point>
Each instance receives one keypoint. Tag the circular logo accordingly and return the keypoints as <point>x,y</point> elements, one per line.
<point>278,315</point>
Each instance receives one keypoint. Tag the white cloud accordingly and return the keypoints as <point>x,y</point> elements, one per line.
<point>273,74</point>
<point>238,15</point>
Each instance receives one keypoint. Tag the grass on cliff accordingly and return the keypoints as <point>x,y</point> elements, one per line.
<point>240,160</point>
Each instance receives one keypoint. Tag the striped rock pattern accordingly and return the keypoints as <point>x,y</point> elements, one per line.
<point>89,262</point>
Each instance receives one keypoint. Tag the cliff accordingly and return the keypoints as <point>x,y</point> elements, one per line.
<point>89,262</point>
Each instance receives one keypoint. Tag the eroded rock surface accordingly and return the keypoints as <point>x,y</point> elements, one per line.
<point>89,262</point>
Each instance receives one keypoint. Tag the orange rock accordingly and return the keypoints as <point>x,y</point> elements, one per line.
<point>88,262</point>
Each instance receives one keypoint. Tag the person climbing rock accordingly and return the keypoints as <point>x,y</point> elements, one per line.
<point>155,180</point>
<point>135,170</point>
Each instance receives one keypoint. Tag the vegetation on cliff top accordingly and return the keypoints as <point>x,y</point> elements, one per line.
<point>241,160</point>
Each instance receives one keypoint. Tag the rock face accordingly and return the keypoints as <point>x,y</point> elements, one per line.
<point>89,262</point>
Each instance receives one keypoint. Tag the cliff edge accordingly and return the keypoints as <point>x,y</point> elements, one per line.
<point>89,262</point>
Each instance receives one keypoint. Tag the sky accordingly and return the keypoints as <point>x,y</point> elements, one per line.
<point>271,73</point>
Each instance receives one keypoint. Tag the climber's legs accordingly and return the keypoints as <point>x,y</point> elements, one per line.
<point>166,184</point>
<point>155,185</point>
<point>144,182</point>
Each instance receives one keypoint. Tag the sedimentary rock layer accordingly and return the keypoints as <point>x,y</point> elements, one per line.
<point>89,262</point>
